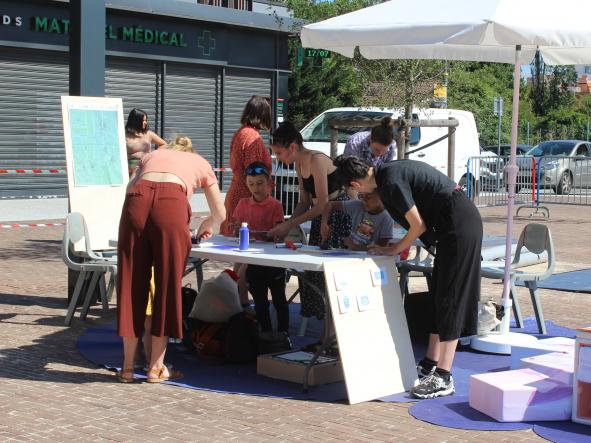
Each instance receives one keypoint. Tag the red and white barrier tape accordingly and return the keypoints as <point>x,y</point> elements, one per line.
<point>63,171</point>
<point>30,225</point>
<point>32,171</point>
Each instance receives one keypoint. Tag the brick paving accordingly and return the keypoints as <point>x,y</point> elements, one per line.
<point>49,392</point>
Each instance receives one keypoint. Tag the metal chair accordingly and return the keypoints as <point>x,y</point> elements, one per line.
<point>537,239</point>
<point>418,264</point>
<point>79,256</point>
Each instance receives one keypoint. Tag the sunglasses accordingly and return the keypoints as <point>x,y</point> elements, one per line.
<point>256,170</point>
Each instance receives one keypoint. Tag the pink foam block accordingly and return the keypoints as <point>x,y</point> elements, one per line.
<point>539,347</point>
<point>556,365</point>
<point>520,395</point>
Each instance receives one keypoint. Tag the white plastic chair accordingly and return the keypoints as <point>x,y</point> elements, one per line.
<point>536,238</point>
<point>79,256</point>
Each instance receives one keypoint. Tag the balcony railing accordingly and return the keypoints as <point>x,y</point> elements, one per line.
<point>243,5</point>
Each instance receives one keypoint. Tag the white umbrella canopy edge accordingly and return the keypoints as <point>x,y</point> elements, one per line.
<point>502,31</point>
<point>396,28</point>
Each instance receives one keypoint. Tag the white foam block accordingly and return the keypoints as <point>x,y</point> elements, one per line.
<point>540,347</point>
<point>520,395</point>
<point>558,366</point>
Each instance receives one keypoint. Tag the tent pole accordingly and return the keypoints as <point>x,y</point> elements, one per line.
<point>511,179</point>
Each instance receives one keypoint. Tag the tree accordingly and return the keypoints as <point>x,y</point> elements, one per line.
<point>316,86</point>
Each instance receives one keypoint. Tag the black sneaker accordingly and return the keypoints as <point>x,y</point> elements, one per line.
<point>433,386</point>
<point>424,372</point>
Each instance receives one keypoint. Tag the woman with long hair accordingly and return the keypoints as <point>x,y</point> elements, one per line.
<point>318,184</point>
<point>139,138</point>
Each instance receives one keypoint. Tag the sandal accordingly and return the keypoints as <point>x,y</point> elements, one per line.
<point>158,375</point>
<point>126,376</point>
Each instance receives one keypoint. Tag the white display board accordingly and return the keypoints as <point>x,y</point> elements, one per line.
<point>96,161</point>
<point>371,329</point>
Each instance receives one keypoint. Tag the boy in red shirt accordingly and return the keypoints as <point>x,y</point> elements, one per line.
<point>262,212</point>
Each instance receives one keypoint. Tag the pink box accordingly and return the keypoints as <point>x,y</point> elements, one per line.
<point>520,395</point>
<point>556,365</point>
<point>544,346</point>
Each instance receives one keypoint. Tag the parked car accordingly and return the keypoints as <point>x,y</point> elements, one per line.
<point>563,164</point>
<point>506,149</point>
<point>491,171</point>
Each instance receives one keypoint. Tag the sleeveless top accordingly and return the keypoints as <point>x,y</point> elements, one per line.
<point>333,184</point>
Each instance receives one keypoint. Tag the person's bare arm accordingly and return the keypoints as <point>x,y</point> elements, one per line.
<point>416,229</point>
<point>320,172</point>
<point>156,140</point>
<point>217,212</point>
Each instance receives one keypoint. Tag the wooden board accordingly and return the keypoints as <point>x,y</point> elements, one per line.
<point>371,328</point>
<point>96,160</point>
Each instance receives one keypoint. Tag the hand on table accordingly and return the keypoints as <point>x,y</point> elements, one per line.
<point>205,230</point>
<point>382,250</point>
<point>279,232</point>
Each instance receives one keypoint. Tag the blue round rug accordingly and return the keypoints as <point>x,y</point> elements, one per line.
<point>563,431</point>
<point>454,411</point>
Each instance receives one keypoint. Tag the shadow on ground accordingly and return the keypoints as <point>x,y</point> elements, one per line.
<point>40,359</point>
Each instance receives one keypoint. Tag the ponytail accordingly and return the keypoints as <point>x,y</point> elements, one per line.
<point>286,134</point>
<point>350,168</point>
<point>384,132</point>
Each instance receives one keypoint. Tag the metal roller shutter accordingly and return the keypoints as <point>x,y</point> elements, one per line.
<point>239,87</point>
<point>191,107</point>
<point>138,84</point>
<point>31,134</point>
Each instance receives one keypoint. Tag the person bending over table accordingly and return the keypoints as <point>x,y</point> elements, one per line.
<point>318,184</point>
<point>432,208</point>
<point>373,147</point>
<point>154,228</point>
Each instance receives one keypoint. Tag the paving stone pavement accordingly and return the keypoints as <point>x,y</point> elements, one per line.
<point>49,392</point>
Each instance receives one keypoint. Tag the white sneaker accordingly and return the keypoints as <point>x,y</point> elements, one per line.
<point>433,386</point>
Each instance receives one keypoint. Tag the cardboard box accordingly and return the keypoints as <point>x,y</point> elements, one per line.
<point>287,366</point>
<point>540,347</point>
<point>582,378</point>
<point>520,395</point>
<point>556,365</point>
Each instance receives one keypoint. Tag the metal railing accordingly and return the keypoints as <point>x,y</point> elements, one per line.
<point>286,186</point>
<point>540,180</point>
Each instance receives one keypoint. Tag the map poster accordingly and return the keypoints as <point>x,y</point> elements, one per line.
<point>96,163</point>
<point>95,147</point>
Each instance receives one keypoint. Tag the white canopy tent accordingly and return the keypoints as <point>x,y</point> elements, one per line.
<point>502,31</point>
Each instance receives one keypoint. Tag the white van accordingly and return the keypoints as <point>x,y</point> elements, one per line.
<point>316,136</point>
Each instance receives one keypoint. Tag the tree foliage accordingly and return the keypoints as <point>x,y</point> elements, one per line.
<point>548,107</point>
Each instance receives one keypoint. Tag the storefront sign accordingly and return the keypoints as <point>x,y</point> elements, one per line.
<point>7,20</point>
<point>28,22</point>
<point>135,34</point>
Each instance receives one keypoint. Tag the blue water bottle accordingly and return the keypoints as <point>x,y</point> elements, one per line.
<point>243,237</point>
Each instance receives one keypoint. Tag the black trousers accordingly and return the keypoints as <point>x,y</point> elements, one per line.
<point>455,285</point>
<point>260,280</point>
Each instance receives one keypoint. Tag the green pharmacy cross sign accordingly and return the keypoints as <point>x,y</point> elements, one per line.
<point>206,43</point>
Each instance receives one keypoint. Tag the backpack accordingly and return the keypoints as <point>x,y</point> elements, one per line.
<point>240,344</point>
<point>218,299</point>
<point>208,339</point>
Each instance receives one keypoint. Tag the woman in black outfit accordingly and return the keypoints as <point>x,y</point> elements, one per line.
<point>431,207</point>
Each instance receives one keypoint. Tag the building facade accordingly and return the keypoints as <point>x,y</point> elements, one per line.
<point>191,67</point>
